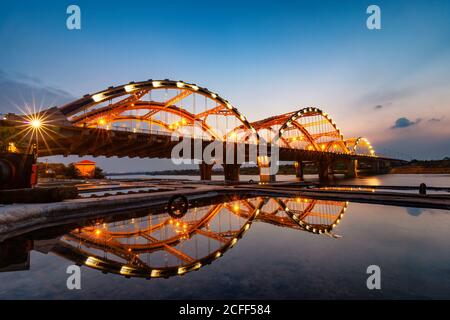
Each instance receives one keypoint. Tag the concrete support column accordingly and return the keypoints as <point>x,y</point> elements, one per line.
<point>376,167</point>
<point>231,172</point>
<point>298,166</point>
<point>323,168</point>
<point>205,171</point>
<point>264,170</point>
<point>352,169</point>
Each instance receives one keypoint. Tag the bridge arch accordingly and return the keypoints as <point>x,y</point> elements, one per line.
<point>312,129</point>
<point>162,105</point>
<point>361,146</point>
<point>308,128</point>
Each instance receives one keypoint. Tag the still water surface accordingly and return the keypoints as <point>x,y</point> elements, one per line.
<point>435,180</point>
<point>256,248</point>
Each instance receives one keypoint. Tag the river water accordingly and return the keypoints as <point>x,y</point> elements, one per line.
<point>435,180</point>
<point>325,255</point>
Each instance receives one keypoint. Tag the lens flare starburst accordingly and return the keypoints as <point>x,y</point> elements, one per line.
<point>35,128</point>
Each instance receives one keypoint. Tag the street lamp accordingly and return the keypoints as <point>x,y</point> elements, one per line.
<point>36,123</point>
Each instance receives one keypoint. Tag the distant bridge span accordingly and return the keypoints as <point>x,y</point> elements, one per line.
<point>141,119</point>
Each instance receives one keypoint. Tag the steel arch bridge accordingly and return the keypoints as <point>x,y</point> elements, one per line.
<point>157,246</point>
<point>161,106</point>
<point>144,119</point>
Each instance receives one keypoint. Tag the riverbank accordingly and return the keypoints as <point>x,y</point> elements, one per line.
<point>420,170</point>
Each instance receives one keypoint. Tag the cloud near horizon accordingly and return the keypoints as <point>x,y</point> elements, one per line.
<point>19,91</point>
<point>404,123</point>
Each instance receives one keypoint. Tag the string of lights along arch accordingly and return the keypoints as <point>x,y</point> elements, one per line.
<point>163,107</point>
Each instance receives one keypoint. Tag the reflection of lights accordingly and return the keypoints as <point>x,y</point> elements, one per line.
<point>92,262</point>
<point>125,270</point>
<point>155,273</point>
<point>181,270</point>
<point>198,265</point>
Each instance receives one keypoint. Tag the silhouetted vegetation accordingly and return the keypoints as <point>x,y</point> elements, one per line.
<point>61,171</point>
<point>98,173</point>
<point>424,166</point>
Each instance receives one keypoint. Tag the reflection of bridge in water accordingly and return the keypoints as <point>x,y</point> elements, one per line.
<point>162,246</point>
<point>141,120</point>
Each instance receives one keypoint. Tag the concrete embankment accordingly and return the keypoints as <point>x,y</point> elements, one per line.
<point>376,197</point>
<point>17,219</point>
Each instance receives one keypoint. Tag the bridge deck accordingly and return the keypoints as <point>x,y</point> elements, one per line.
<point>72,140</point>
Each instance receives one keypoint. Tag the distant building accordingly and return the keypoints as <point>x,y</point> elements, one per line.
<point>86,168</point>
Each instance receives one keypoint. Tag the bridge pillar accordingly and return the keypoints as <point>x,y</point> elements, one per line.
<point>205,171</point>
<point>231,172</point>
<point>376,167</point>
<point>352,168</point>
<point>323,168</point>
<point>298,166</point>
<point>264,170</point>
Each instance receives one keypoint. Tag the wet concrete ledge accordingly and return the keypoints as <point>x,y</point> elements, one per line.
<point>17,219</point>
<point>379,197</point>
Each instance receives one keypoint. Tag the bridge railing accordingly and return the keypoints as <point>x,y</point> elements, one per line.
<point>156,132</point>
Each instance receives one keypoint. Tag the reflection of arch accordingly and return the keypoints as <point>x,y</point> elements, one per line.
<point>358,143</point>
<point>130,260</point>
<point>136,247</point>
<point>312,215</point>
<point>168,101</point>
